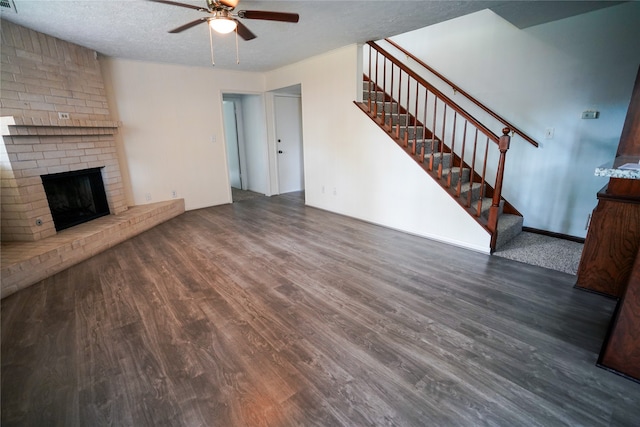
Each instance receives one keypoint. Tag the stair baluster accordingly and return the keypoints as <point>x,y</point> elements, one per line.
<point>375,110</point>
<point>441,145</point>
<point>415,119</point>
<point>473,168</point>
<point>433,132</point>
<point>384,92</point>
<point>483,184</point>
<point>463,151</point>
<point>453,146</point>
<point>424,121</point>
<point>406,131</point>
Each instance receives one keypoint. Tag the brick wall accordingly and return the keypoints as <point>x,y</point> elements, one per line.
<point>42,77</point>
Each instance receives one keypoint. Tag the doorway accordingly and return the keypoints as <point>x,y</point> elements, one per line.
<point>290,159</point>
<point>246,143</point>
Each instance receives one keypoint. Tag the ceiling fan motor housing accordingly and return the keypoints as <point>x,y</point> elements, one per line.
<point>217,5</point>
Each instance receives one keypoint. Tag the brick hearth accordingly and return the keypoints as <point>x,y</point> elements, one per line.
<point>26,263</point>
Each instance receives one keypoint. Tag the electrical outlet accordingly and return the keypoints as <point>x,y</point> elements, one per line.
<point>335,192</point>
<point>548,133</point>
<point>148,197</point>
<point>323,189</point>
<point>64,116</point>
<point>174,194</point>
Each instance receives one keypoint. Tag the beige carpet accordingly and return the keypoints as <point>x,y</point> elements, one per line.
<point>544,251</point>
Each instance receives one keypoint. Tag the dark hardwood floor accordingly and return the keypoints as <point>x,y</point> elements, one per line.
<point>270,313</point>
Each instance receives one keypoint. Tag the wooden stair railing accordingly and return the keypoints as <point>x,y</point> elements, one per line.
<point>456,145</point>
<point>457,89</point>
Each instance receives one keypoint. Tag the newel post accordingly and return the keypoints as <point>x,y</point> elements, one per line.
<point>494,211</point>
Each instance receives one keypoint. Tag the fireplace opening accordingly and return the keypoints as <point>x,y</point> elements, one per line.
<point>75,197</point>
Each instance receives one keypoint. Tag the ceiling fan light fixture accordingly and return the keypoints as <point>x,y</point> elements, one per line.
<point>223,25</point>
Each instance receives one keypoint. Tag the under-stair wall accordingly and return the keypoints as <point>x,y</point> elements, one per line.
<point>461,154</point>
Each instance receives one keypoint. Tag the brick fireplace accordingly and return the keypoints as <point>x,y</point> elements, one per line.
<point>36,150</point>
<point>55,119</point>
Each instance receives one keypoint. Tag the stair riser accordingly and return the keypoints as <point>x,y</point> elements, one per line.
<point>395,119</point>
<point>412,132</point>
<point>486,205</point>
<point>389,108</point>
<point>507,230</point>
<point>475,194</point>
<point>455,176</point>
<point>444,159</point>
<point>379,96</point>
<point>430,147</point>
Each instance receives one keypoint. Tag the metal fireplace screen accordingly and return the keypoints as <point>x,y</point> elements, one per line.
<point>75,197</point>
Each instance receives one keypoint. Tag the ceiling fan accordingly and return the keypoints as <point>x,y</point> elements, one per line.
<point>222,19</point>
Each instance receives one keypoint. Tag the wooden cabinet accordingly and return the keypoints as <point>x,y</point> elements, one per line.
<point>621,349</point>
<point>613,241</point>
<point>610,262</point>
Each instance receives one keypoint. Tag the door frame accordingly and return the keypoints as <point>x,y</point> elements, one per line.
<point>294,91</point>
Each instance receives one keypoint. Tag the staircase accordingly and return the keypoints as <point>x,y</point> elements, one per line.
<point>454,149</point>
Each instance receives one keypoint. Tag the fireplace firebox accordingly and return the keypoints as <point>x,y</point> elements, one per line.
<point>75,197</point>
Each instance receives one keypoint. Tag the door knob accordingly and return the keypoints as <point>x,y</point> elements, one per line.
<point>279,151</point>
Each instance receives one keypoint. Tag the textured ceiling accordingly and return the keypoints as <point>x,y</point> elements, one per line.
<point>524,14</point>
<point>137,29</point>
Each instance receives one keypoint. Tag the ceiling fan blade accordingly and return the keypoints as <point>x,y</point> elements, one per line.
<point>188,25</point>
<point>269,16</point>
<point>244,32</point>
<point>175,3</point>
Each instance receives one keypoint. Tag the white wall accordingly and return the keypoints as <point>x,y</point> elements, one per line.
<point>170,115</point>
<point>544,77</point>
<point>352,168</point>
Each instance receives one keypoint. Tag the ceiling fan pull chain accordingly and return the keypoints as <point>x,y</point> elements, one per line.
<point>213,63</point>
<point>237,50</point>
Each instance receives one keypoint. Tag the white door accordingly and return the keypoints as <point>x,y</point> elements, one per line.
<point>288,115</point>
